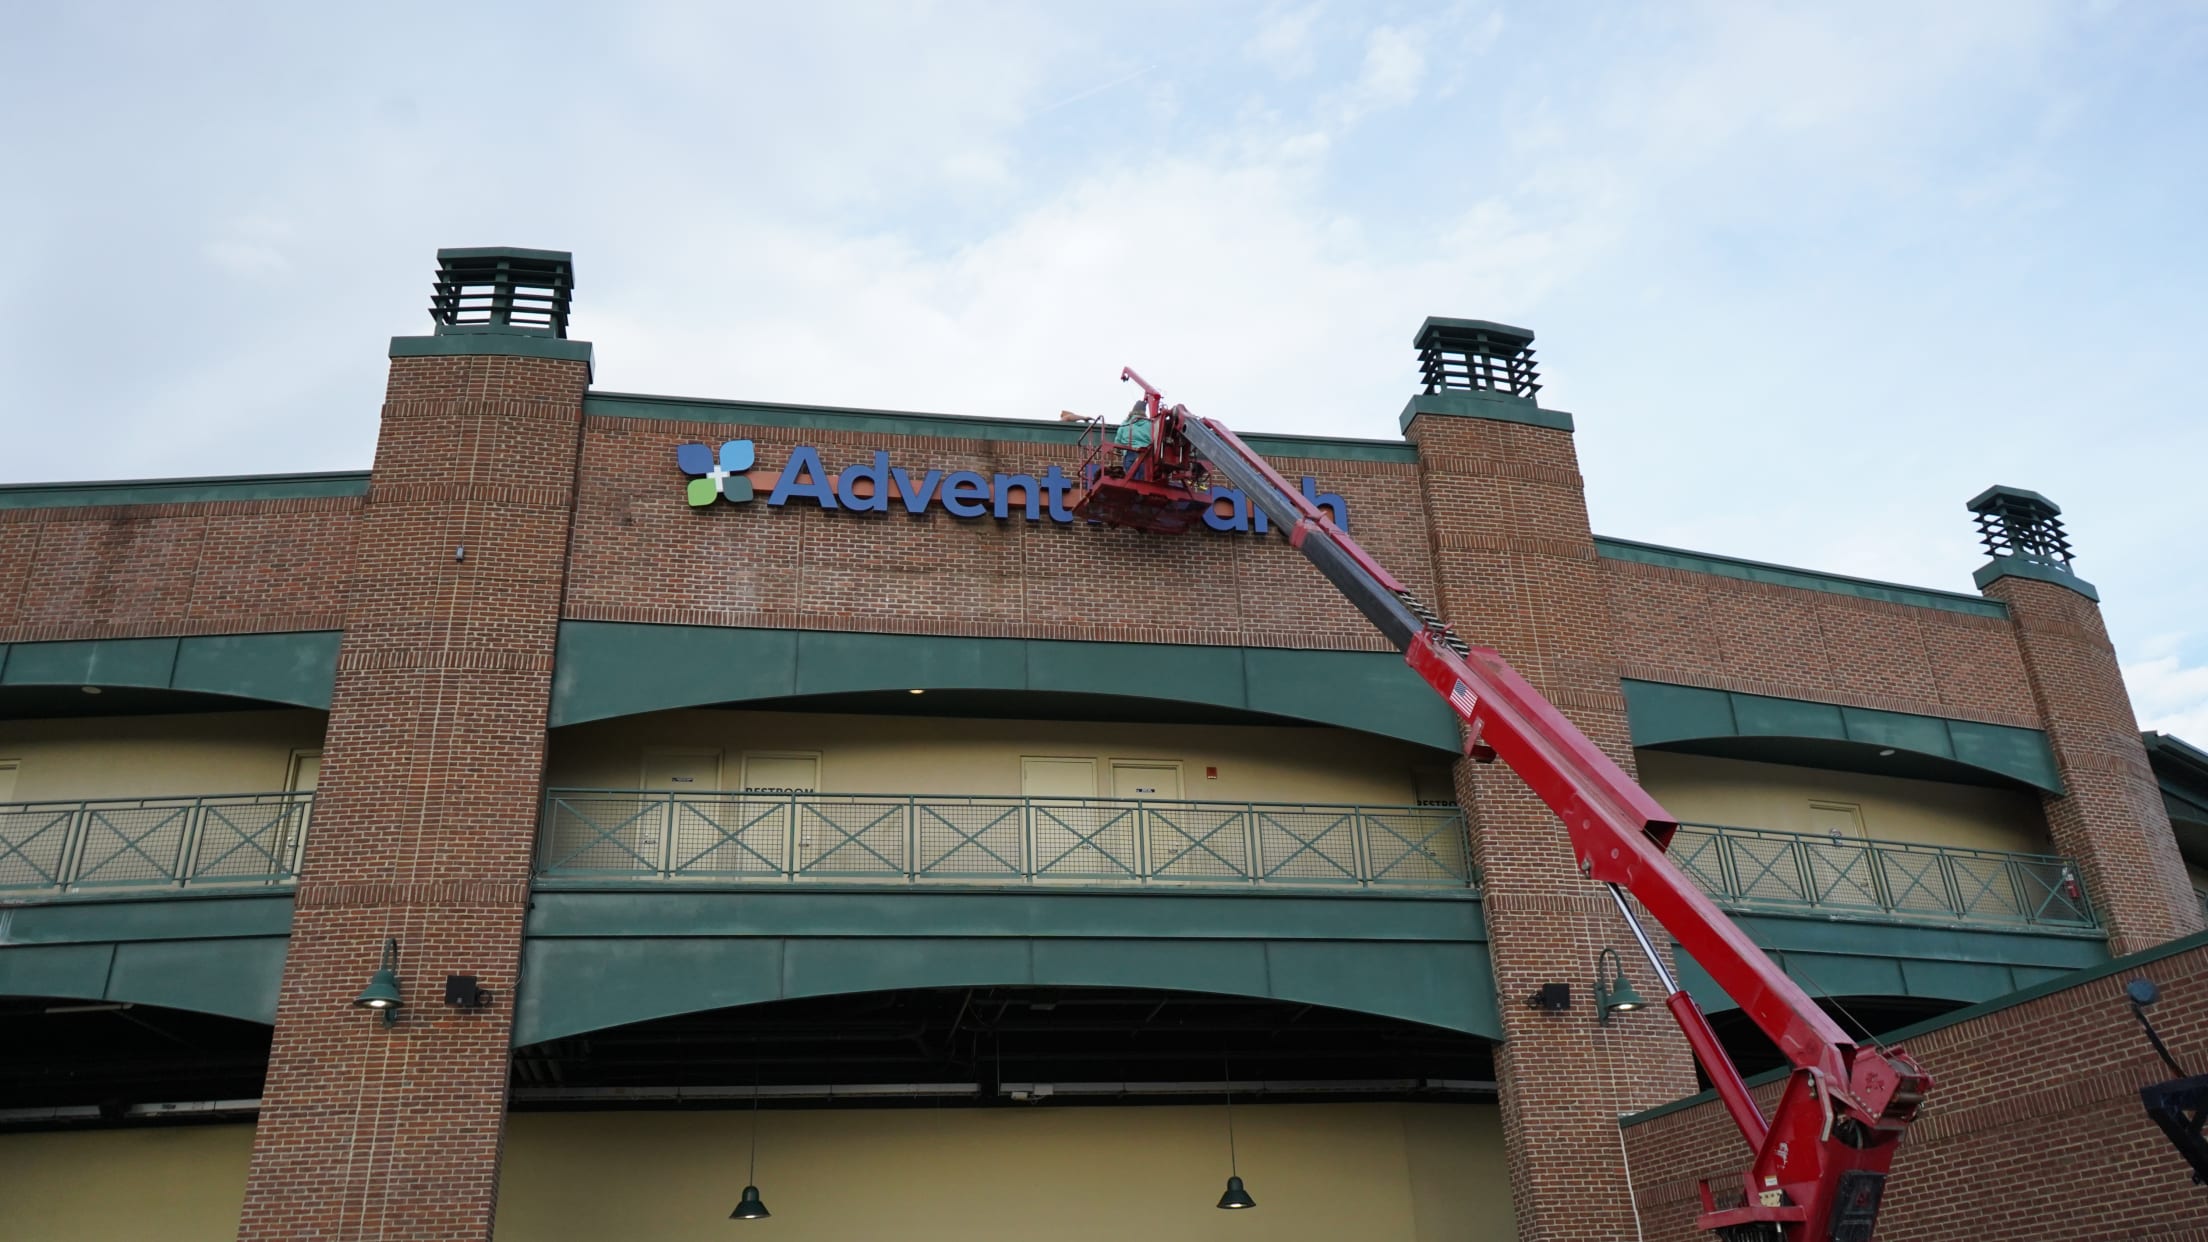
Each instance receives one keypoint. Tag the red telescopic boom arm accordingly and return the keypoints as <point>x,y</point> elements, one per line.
<point>1820,1160</point>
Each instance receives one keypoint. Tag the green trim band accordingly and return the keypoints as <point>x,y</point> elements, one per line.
<point>1493,406</point>
<point>1788,576</point>
<point>491,344</point>
<point>295,668</point>
<point>2060,983</point>
<point>1659,714</point>
<point>183,491</point>
<point>606,669</point>
<point>2018,567</point>
<point>945,426</point>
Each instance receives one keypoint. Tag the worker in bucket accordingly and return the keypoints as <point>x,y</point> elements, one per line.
<point>1132,437</point>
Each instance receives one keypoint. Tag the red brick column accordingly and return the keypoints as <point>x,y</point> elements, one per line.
<point>426,815</point>
<point>2111,817</point>
<point>1517,570</point>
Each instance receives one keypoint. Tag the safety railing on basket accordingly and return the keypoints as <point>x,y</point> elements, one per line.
<point>1756,869</point>
<point>206,841</point>
<point>921,838</point>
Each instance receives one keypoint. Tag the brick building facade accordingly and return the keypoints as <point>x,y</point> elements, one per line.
<point>514,517</point>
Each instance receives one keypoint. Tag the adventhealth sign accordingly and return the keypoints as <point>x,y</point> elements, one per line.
<point>872,486</point>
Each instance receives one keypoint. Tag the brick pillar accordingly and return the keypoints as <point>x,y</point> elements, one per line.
<point>1516,569</point>
<point>2110,816</point>
<point>426,815</point>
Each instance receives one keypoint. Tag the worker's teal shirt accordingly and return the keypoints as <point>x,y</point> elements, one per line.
<point>1133,434</point>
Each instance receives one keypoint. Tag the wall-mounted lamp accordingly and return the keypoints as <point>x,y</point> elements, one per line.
<point>382,992</point>
<point>461,992</point>
<point>1613,991</point>
<point>1553,998</point>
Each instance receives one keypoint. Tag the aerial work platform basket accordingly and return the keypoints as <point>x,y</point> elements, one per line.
<point>1158,486</point>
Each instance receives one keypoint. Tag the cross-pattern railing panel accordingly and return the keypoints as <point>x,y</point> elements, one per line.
<point>220,839</point>
<point>1786,872</point>
<point>921,838</point>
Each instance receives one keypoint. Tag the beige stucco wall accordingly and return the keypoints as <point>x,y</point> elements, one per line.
<point>887,754</point>
<point>156,756</point>
<point>1735,792</point>
<point>179,1184</point>
<point>1371,1172</point>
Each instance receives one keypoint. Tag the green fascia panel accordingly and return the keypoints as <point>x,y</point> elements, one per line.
<point>1870,959</point>
<point>836,663</point>
<point>491,344</point>
<point>2022,753</point>
<point>1451,986</point>
<point>1660,714</point>
<point>234,978</point>
<point>75,971</point>
<point>571,986</point>
<point>606,669</point>
<point>1235,967</point>
<point>1657,712</point>
<point>182,491</point>
<point>1926,735</point>
<point>142,662</point>
<point>1496,407</point>
<point>1789,576</point>
<point>1372,691</point>
<point>1758,716</point>
<point>169,917</point>
<point>945,426</point>
<point>296,668</point>
<point>560,913</point>
<point>2017,567</point>
<point>1200,674</point>
<point>609,669</point>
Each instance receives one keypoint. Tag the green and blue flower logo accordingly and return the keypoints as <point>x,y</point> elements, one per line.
<point>715,478</point>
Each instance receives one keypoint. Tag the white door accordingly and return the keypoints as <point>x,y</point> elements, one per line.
<point>7,780</point>
<point>305,773</point>
<point>1838,822</point>
<point>1042,776</point>
<point>1151,782</point>
<point>660,837</point>
<point>781,772</point>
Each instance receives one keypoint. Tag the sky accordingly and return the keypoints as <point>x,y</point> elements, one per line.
<point>1808,276</point>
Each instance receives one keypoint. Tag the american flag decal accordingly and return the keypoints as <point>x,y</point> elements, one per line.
<point>1462,698</point>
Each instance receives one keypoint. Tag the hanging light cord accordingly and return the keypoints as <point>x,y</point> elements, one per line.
<point>1233,1169</point>
<point>752,1179</point>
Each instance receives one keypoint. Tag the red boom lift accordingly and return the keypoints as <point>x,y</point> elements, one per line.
<point>1821,1159</point>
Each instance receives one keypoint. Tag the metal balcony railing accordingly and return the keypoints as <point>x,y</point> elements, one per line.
<point>1756,869</point>
<point>219,839</point>
<point>923,838</point>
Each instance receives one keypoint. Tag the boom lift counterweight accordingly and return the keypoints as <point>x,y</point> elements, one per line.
<point>1821,1158</point>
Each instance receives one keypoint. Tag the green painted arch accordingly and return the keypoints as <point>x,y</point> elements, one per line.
<point>297,669</point>
<point>572,987</point>
<point>1959,965</point>
<point>608,669</point>
<point>1753,726</point>
<point>229,978</point>
<point>601,957</point>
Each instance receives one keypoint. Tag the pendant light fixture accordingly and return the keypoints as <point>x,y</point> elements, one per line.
<point>1238,1195</point>
<point>751,1207</point>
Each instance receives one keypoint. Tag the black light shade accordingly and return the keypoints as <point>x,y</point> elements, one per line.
<point>1237,1195</point>
<point>750,1207</point>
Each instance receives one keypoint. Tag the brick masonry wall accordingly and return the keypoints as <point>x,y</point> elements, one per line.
<point>133,571</point>
<point>1518,571</point>
<point>2033,1133</point>
<point>643,554</point>
<point>2112,818</point>
<point>1758,638</point>
<point>426,814</point>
